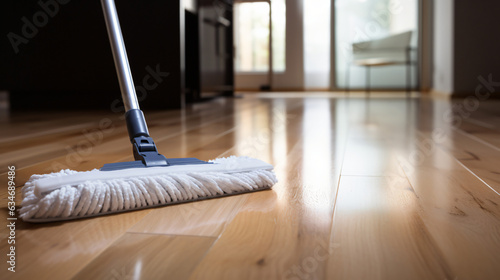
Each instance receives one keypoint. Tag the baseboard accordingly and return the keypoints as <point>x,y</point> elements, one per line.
<point>258,90</point>
<point>465,94</point>
<point>459,94</point>
<point>439,94</point>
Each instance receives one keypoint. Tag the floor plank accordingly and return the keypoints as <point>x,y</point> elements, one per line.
<point>59,250</point>
<point>148,256</point>
<point>383,187</point>
<point>200,218</point>
<point>477,156</point>
<point>377,234</point>
<point>275,231</point>
<point>461,213</point>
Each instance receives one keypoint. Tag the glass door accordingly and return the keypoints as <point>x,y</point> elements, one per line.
<point>258,52</point>
<point>367,20</point>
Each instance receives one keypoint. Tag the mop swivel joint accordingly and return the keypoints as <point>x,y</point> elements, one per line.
<point>145,150</point>
<point>144,147</point>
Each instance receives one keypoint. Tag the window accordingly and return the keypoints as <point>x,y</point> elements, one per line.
<point>251,36</point>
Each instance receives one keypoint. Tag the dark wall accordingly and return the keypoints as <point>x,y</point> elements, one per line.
<point>216,47</point>
<point>67,62</point>
<point>476,43</point>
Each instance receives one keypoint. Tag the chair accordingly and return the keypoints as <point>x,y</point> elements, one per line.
<point>391,50</point>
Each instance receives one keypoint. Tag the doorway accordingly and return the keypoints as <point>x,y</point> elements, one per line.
<point>259,38</point>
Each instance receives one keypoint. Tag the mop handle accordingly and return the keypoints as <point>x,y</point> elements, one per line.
<point>136,124</point>
<point>120,55</point>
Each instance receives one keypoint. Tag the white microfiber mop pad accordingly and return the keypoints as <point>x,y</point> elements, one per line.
<point>70,194</point>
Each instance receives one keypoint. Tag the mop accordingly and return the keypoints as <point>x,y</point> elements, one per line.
<point>151,180</point>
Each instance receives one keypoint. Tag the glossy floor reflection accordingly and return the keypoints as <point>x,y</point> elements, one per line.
<point>369,188</point>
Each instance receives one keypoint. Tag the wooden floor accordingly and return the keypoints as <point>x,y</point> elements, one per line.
<point>380,188</point>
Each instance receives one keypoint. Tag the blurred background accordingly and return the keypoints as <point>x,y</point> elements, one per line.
<point>55,54</point>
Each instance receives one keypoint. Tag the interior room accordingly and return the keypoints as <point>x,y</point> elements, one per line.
<point>250,139</point>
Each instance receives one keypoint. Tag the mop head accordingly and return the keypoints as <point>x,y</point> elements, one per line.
<point>69,194</point>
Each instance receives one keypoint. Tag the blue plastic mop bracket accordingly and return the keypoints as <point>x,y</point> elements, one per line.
<point>144,148</point>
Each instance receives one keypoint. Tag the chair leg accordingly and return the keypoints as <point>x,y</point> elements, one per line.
<point>368,80</point>
<point>408,73</point>
<point>408,79</point>
<point>347,79</point>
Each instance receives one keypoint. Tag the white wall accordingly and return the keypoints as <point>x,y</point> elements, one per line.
<point>443,73</point>
<point>293,77</point>
<point>317,44</point>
